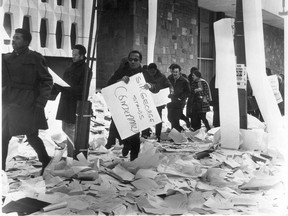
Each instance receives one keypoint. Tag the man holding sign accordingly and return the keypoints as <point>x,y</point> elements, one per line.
<point>132,67</point>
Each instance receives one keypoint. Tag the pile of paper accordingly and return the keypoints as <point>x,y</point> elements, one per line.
<point>192,176</point>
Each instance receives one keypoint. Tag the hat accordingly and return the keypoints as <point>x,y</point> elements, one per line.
<point>152,66</point>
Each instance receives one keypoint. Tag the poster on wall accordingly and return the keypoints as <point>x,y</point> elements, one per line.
<point>132,107</point>
<point>241,76</point>
<point>275,87</point>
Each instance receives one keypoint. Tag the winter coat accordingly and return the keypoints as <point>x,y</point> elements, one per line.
<point>26,87</point>
<point>73,76</point>
<point>181,92</point>
<point>199,101</point>
<point>158,81</point>
<point>123,71</point>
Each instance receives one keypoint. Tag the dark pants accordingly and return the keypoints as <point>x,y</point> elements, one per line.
<point>216,116</point>
<point>33,139</point>
<point>174,115</point>
<point>195,120</point>
<point>158,127</point>
<point>202,116</point>
<point>131,144</point>
<point>113,134</point>
<point>186,120</point>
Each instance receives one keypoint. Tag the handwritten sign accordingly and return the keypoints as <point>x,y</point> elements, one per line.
<point>275,87</point>
<point>161,98</point>
<point>241,76</point>
<point>131,106</point>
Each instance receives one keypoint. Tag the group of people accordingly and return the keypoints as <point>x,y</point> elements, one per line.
<point>194,88</point>
<point>27,85</point>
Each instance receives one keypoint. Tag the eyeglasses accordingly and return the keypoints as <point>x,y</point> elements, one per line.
<point>133,59</point>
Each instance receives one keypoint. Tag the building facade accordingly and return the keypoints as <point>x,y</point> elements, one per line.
<point>184,32</point>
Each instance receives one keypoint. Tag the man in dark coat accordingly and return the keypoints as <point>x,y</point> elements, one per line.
<point>26,87</point>
<point>155,82</point>
<point>170,77</point>
<point>73,76</point>
<point>132,67</point>
<point>178,98</point>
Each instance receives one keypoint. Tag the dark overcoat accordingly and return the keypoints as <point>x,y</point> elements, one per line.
<point>198,102</point>
<point>74,76</point>
<point>26,87</point>
<point>158,81</point>
<point>123,71</point>
<point>181,92</point>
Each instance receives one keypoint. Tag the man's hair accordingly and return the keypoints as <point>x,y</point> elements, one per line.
<point>152,66</point>
<point>176,66</point>
<point>193,69</point>
<point>135,51</point>
<point>81,48</point>
<point>197,73</point>
<point>25,34</point>
<point>171,66</point>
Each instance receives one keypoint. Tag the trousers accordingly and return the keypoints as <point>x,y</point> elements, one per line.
<point>69,130</point>
<point>35,142</point>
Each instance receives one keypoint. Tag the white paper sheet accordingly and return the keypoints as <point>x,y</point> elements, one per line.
<point>131,106</point>
<point>256,68</point>
<point>57,79</point>
<point>227,83</point>
<point>275,87</point>
<point>161,98</point>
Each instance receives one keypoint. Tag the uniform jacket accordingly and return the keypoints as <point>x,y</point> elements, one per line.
<point>181,92</point>
<point>26,87</point>
<point>74,76</point>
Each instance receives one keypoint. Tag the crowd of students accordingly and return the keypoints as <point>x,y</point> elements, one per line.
<point>193,89</point>
<point>24,96</point>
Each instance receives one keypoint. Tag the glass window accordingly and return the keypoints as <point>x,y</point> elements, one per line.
<point>73,34</point>
<point>8,23</point>
<point>59,34</point>
<point>26,23</point>
<point>206,46</point>
<point>43,32</point>
<point>59,2</point>
<point>73,3</point>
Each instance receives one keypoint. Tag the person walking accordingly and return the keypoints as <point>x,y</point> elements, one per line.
<point>193,119</point>
<point>113,134</point>
<point>26,87</point>
<point>155,82</point>
<point>132,67</point>
<point>74,77</point>
<point>178,98</point>
<point>201,96</point>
